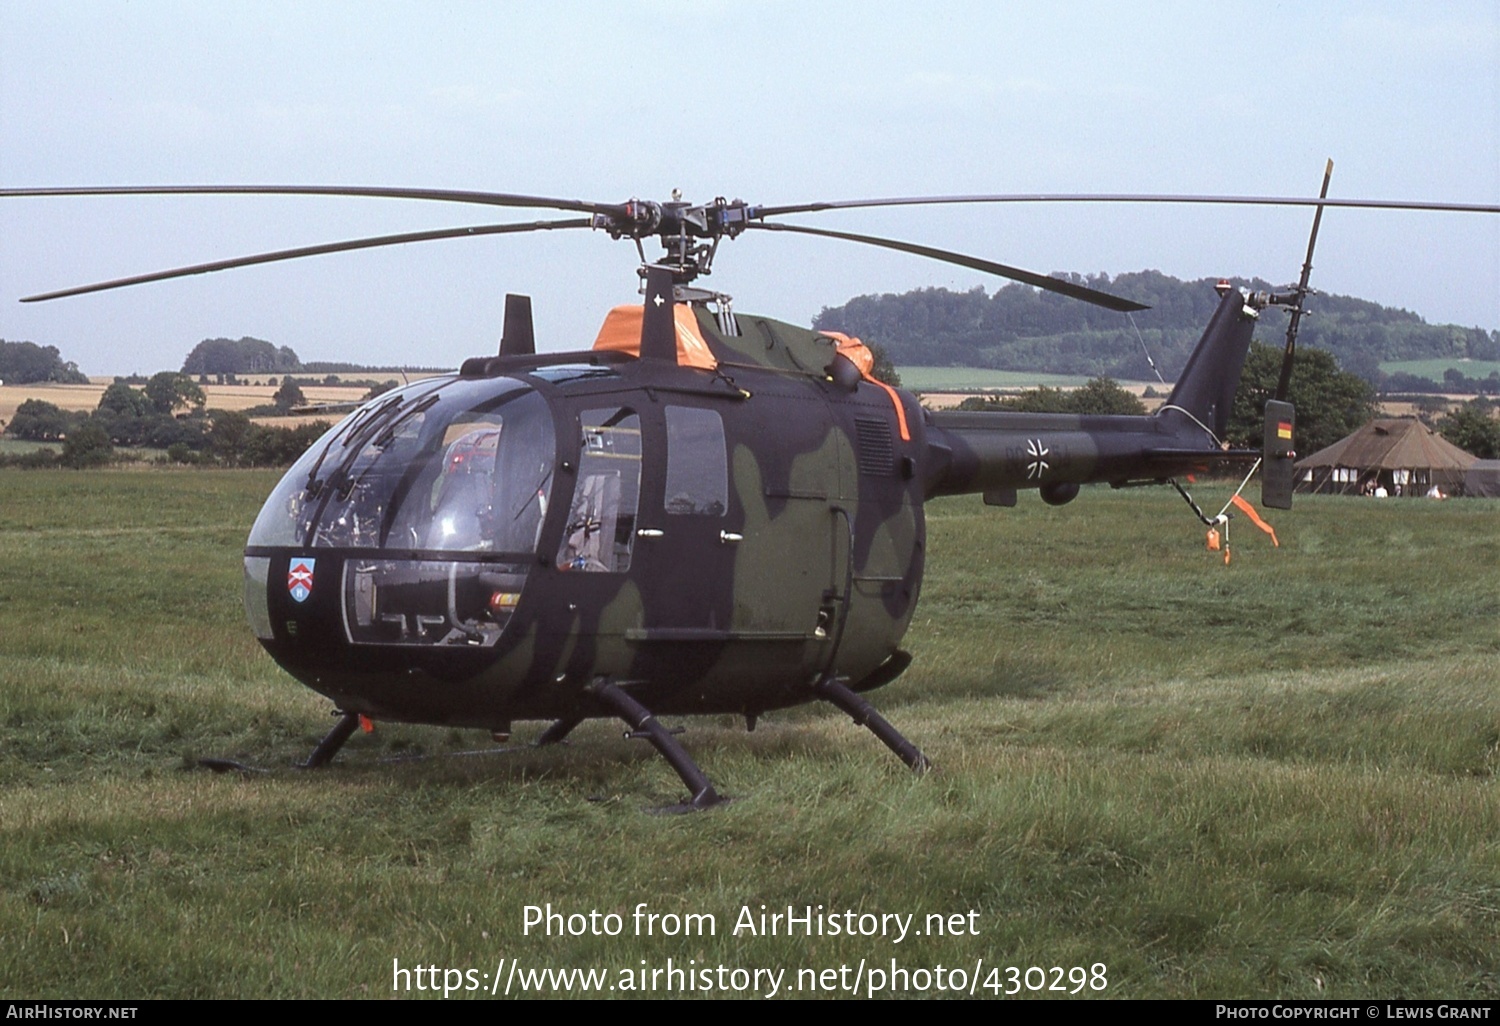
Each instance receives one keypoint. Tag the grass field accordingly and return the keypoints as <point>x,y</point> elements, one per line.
<point>20,447</point>
<point>1433,369</point>
<point>964,379</point>
<point>1276,778</point>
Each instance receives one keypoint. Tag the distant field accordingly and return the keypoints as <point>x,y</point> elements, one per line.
<point>221,397</point>
<point>974,379</point>
<point>68,397</point>
<point>1276,778</point>
<point>1433,369</point>
<point>17,447</point>
<point>20,447</point>
<point>243,397</point>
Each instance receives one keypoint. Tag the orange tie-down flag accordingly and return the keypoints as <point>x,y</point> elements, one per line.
<point>1255,519</point>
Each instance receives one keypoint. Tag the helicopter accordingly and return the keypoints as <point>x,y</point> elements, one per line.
<point>706,512</point>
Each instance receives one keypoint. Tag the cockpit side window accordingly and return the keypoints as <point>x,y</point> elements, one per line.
<point>482,484</point>
<point>697,463</point>
<point>462,497</point>
<point>600,532</point>
<point>459,466</point>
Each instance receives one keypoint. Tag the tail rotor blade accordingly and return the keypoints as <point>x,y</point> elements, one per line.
<point>1295,318</point>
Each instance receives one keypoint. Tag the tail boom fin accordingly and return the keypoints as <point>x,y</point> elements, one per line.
<point>1205,389</point>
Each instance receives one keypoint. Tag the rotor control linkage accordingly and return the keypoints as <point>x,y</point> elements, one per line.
<point>644,725</point>
<point>830,690</point>
<point>330,745</point>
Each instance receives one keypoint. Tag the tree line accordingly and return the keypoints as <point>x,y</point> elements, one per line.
<point>223,358</point>
<point>1021,328</point>
<point>26,363</point>
<point>167,413</point>
<point>1016,327</point>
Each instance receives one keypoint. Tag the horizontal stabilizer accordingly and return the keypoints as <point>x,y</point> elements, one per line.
<point>1200,455</point>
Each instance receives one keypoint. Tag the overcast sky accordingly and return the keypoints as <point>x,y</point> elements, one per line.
<point>774,102</point>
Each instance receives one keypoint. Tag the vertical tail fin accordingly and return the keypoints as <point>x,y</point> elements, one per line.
<point>1205,389</point>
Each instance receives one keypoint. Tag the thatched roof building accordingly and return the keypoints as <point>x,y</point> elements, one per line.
<point>1405,457</point>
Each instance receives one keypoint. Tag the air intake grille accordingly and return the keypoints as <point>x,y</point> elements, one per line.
<point>876,453</point>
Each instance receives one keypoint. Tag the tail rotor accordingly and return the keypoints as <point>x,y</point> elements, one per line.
<point>1280,456</point>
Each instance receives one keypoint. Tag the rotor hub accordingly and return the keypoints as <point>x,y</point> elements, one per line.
<point>689,232</point>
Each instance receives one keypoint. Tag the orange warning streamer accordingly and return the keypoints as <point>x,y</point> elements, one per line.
<point>1255,519</point>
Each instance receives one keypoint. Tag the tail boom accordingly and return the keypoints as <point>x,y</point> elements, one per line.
<point>996,453</point>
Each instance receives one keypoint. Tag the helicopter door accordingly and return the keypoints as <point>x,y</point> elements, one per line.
<point>770,548</point>
<point>686,542</point>
<point>734,554</point>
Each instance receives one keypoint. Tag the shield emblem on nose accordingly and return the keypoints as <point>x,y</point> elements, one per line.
<point>299,578</point>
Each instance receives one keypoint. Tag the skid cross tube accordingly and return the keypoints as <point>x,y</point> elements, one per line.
<point>864,714</point>
<point>644,724</point>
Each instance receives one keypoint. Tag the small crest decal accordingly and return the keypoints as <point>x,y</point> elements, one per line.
<point>299,578</point>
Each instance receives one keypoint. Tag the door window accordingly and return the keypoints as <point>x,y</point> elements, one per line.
<point>601,522</point>
<point>697,464</point>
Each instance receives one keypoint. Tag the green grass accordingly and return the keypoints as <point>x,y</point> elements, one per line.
<point>1433,369</point>
<point>959,379</point>
<point>1276,778</point>
<point>20,447</point>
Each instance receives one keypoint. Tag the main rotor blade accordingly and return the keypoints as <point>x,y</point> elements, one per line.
<point>1264,201</point>
<point>303,251</point>
<point>1041,281</point>
<point>505,199</point>
<point>493,199</point>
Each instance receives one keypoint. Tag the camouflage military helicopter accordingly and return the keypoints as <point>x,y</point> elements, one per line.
<point>705,512</point>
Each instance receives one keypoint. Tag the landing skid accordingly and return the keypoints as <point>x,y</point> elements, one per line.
<point>231,766</point>
<point>830,690</point>
<point>326,750</point>
<point>644,725</point>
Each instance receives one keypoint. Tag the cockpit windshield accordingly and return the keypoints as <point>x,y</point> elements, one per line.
<point>441,465</point>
